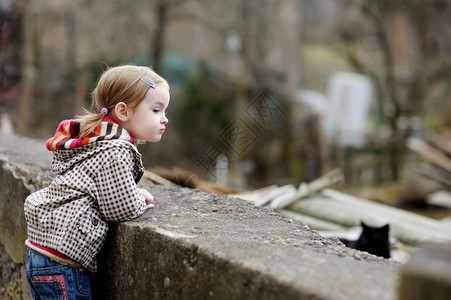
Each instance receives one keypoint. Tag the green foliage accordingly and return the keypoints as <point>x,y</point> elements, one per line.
<point>200,115</point>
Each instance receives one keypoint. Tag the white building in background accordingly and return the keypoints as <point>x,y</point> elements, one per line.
<point>350,97</point>
<point>6,124</point>
<point>344,112</point>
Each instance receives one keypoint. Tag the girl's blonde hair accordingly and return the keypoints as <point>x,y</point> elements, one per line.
<point>118,84</point>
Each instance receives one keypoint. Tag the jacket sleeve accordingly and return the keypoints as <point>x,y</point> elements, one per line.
<point>118,196</point>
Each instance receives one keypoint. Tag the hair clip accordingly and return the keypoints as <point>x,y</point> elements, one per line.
<point>149,82</point>
<point>104,111</point>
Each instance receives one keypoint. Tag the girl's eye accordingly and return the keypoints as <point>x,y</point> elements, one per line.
<point>156,110</point>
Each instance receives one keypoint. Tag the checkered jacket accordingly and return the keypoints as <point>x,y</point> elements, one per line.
<point>95,184</point>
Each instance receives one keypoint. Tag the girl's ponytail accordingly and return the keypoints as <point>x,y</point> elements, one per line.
<point>90,121</point>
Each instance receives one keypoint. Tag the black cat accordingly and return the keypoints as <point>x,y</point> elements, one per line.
<point>374,240</point>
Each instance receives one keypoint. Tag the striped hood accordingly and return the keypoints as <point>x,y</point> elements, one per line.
<point>66,136</point>
<point>69,150</point>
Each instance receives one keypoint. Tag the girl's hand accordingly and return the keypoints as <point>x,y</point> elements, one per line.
<point>149,198</point>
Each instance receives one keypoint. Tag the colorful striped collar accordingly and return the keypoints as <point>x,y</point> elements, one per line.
<point>66,136</point>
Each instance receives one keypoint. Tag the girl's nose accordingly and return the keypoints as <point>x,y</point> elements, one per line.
<point>164,120</point>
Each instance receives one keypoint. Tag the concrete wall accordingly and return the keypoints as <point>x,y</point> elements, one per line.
<point>428,274</point>
<point>193,245</point>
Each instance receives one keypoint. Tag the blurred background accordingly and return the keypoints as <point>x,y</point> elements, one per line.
<point>262,91</point>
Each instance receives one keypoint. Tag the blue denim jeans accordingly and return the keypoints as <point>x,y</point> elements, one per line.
<point>51,280</point>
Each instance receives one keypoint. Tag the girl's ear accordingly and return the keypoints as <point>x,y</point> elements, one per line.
<point>121,111</point>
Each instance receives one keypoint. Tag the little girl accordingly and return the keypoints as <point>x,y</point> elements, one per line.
<point>97,169</point>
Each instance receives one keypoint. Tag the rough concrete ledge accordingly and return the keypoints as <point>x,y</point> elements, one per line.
<point>195,245</point>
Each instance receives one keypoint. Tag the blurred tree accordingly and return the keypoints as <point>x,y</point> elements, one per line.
<point>269,30</point>
<point>71,61</point>
<point>201,115</point>
<point>412,38</point>
<point>28,68</point>
<point>10,59</point>
<point>265,37</point>
<point>162,11</point>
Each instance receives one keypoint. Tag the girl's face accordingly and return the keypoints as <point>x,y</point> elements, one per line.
<point>147,120</point>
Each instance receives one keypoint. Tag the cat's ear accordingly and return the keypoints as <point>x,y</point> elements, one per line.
<point>386,227</point>
<point>363,224</point>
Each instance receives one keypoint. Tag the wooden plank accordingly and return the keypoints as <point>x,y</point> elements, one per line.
<point>255,195</point>
<point>312,222</point>
<point>347,210</point>
<point>158,179</point>
<point>215,188</point>
<point>316,185</point>
<point>442,140</point>
<point>185,178</point>
<point>277,196</point>
<point>440,198</point>
<point>439,175</point>
<point>178,176</point>
<point>429,153</point>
